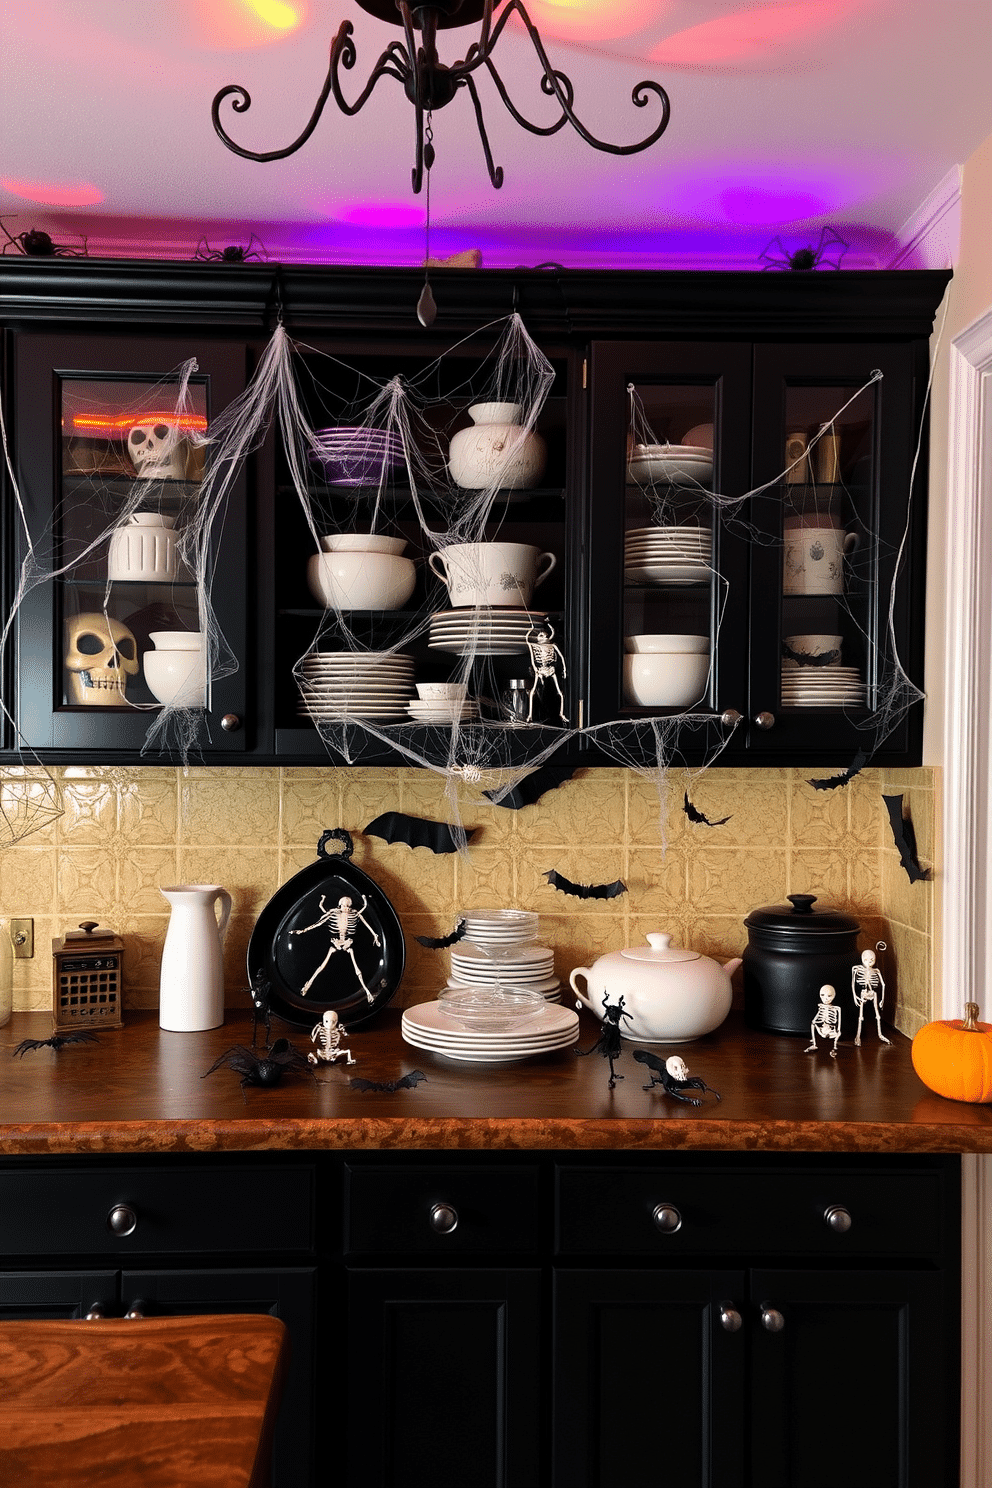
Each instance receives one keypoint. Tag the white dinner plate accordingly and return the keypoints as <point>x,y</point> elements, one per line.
<point>673,573</point>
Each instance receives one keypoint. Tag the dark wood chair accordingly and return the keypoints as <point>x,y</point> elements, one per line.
<point>187,1402</point>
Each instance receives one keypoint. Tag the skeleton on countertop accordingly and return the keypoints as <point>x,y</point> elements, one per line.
<point>867,986</point>
<point>327,1035</point>
<point>826,1022</point>
<point>545,659</point>
<point>344,920</point>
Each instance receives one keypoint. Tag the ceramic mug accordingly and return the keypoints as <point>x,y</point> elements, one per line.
<point>814,559</point>
<point>496,573</point>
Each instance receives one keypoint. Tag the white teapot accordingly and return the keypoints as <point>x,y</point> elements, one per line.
<point>669,995</point>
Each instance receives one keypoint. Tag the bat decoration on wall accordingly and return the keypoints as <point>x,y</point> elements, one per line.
<point>406,1082</point>
<point>532,787</point>
<point>441,942</point>
<point>57,1041</point>
<point>803,658</point>
<point>697,816</point>
<point>585,891</point>
<point>831,782</point>
<point>905,839</point>
<point>418,831</point>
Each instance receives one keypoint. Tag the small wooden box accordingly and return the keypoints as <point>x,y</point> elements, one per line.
<point>86,981</point>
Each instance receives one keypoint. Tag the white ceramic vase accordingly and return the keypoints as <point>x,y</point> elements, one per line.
<point>497,451</point>
<point>191,984</point>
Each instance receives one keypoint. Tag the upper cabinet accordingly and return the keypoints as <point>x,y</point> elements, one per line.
<point>708,547</point>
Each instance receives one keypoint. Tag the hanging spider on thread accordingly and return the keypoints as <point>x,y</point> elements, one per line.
<point>829,251</point>
<point>37,244</point>
<point>254,252</point>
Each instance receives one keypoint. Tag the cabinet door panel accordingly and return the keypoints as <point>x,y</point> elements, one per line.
<point>856,1386</point>
<point>648,1383</point>
<point>37,1295</point>
<point>443,1378</point>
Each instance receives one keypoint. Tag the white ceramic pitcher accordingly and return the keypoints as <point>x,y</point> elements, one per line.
<point>191,986</point>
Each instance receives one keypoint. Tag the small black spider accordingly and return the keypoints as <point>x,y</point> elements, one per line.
<point>234,253</point>
<point>38,244</point>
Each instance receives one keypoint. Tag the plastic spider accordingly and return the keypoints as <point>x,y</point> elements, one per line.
<point>38,244</point>
<point>262,1069</point>
<point>254,252</point>
<point>828,251</point>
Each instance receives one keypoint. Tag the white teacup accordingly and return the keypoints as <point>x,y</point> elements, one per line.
<point>813,645</point>
<point>496,573</point>
<point>813,560</point>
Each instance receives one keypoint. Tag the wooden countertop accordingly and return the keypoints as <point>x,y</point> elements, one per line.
<point>143,1090</point>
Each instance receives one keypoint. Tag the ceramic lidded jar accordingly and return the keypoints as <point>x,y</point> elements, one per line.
<point>143,549</point>
<point>670,995</point>
<point>497,450</point>
<point>793,950</point>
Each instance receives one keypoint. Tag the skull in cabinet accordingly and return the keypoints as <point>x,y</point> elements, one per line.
<point>157,452</point>
<point>100,655</point>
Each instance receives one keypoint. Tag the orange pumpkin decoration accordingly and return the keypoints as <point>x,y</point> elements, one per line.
<point>954,1056</point>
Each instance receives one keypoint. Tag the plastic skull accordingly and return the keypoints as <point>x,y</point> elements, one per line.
<point>100,655</point>
<point>677,1068</point>
<point>157,451</point>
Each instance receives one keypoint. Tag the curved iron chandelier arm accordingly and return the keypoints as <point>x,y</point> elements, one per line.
<point>564,85</point>
<point>495,171</point>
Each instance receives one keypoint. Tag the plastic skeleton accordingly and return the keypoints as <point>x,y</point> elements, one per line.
<point>867,986</point>
<point>545,658</point>
<point>327,1035</point>
<point>344,920</point>
<point>826,1022</point>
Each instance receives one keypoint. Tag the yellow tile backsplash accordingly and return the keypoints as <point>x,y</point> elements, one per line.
<point>125,831</point>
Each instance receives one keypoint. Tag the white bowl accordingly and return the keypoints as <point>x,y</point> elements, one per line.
<point>436,692</point>
<point>178,677</point>
<point>362,542</point>
<point>176,640</point>
<point>813,645</point>
<point>666,679</point>
<point>641,645</point>
<point>361,581</point>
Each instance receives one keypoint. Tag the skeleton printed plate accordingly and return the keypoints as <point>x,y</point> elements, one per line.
<point>329,938</point>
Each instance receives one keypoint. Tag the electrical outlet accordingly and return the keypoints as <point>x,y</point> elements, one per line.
<point>22,938</point>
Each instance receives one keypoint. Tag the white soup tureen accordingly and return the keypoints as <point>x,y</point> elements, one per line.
<point>670,995</point>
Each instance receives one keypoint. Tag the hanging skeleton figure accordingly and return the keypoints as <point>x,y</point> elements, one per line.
<point>327,1035</point>
<point>545,659</point>
<point>826,1022</point>
<point>867,986</point>
<point>344,920</point>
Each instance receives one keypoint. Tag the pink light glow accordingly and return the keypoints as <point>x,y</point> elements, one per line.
<point>759,34</point>
<point>54,193</point>
<point>381,214</point>
<point>226,25</point>
<point>593,20</point>
<point>754,204</point>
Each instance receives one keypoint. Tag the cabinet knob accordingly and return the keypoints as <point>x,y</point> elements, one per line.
<point>122,1220</point>
<point>667,1218</point>
<point>230,723</point>
<point>96,1312</point>
<point>137,1309</point>
<point>730,718</point>
<point>444,1219</point>
<point>764,720</point>
<point>838,1219</point>
<point>730,1319</point>
<point>771,1319</point>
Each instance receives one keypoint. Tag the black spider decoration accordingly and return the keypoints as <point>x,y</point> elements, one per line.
<point>829,251</point>
<point>265,1069</point>
<point>670,1079</point>
<point>37,244</point>
<point>609,1042</point>
<point>254,252</point>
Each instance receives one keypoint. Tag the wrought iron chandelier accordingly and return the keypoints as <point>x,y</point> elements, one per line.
<point>429,83</point>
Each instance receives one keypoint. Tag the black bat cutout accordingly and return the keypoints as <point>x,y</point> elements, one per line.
<point>405,1082</point>
<point>905,839</point>
<point>57,1041</point>
<point>695,815</point>
<point>440,943</point>
<point>585,891</point>
<point>831,782</point>
<point>532,787</point>
<point>803,658</point>
<point>418,831</point>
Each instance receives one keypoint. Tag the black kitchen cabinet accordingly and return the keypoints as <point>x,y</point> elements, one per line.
<point>640,362</point>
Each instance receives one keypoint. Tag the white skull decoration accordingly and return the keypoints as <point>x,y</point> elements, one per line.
<point>157,452</point>
<point>100,655</point>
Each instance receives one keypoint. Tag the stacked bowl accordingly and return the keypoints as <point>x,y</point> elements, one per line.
<point>356,456</point>
<point>670,464</point>
<point>665,671</point>
<point>361,571</point>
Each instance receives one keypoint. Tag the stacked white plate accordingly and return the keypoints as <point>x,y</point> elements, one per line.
<point>500,928</point>
<point>668,555</point>
<point>463,711</point>
<point>356,456</point>
<point>670,464</point>
<point>487,631</point>
<point>499,948</point>
<point>830,686</point>
<point>426,1027</point>
<point>356,684</point>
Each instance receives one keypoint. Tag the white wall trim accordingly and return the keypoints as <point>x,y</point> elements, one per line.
<point>976,1321</point>
<point>930,239</point>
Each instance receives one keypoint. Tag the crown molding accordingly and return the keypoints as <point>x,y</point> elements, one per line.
<point>931,237</point>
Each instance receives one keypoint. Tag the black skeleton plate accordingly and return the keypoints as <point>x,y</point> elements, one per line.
<point>319,952</point>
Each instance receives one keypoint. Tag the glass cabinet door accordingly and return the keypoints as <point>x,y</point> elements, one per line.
<point>111,623</point>
<point>833,448</point>
<point>670,451</point>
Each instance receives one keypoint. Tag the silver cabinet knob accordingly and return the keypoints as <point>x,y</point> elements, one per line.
<point>96,1312</point>
<point>838,1219</point>
<point>444,1219</point>
<point>667,1218</point>
<point>122,1220</point>
<point>137,1309</point>
<point>730,1319</point>
<point>230,723</point>
<point>730,718</point>
<point>771,1319</point>
<point>764,720</point>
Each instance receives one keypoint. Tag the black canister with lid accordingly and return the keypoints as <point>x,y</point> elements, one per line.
<point>791,953</point>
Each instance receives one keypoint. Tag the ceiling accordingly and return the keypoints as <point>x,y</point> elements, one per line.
<point>788,116</point>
